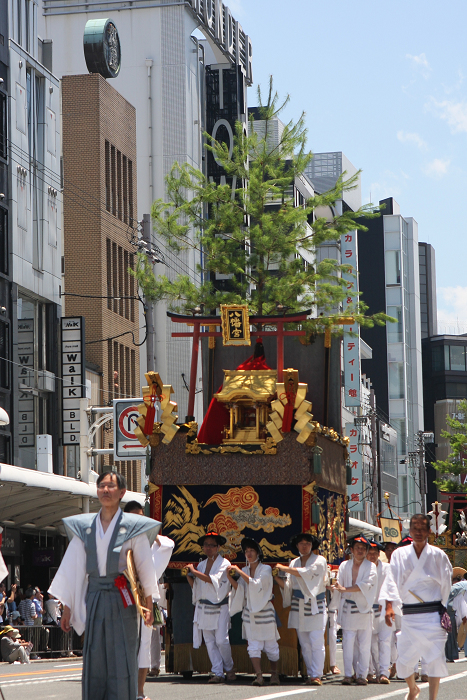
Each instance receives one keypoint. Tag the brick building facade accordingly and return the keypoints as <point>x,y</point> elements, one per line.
<point>99,209</point>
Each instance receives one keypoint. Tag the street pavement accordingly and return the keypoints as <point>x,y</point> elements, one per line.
<point>46,680</point>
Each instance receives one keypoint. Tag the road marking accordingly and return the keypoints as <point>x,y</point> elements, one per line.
<point>286,693</point>
<point>460,661</point>
<point>403,691</point>
<point>28,673</point>
<point>75,665</point>
<point>29,681</point>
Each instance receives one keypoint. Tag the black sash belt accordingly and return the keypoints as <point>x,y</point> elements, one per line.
<point>416,608</point>
<point>204,601</point>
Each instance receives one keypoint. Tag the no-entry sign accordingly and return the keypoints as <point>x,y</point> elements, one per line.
<point>126,445</point>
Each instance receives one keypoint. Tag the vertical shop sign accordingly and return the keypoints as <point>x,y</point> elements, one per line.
<point>355,488</point>
<point>26,382</point>
<point>352,333</point>
<point>73,373</point>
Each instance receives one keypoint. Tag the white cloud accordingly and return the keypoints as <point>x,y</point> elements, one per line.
<point>454,113</point>
<point>437,168</point>
<point>406,137</point>
<point>420,62</point>
<point>388,185</point>
<point>452,310</point>
<point>237,7</point>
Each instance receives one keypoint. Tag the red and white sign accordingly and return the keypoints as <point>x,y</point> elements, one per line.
<point>126,444</point>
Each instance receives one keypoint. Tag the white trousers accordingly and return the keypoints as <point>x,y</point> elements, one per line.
<point>313,651</point>
<point>393,647</point>
<point>219,652</point>
<point>358,641</point>
<point>269,646</point>
<point>156,649</point>
<point>332,637</point>
<point>144,652</point>
<point>149,654</point>
<point>19,654</point>
<point>380,656</point>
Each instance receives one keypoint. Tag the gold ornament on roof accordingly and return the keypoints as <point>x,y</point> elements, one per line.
<point>156,392</point>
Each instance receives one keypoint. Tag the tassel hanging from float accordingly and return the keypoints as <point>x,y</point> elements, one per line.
<point>317,452</point>
<point>346,520</point>
<point>315,512</point>
<point>348,473</point>
<point>148,462</point>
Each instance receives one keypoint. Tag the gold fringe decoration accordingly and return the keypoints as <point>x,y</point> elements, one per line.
<point>182,658</point>
<point>201,662</point>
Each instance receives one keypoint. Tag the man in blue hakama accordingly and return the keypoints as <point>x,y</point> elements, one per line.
<point>95,596</point>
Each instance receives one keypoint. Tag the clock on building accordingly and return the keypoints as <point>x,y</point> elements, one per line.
<point>102,47</point>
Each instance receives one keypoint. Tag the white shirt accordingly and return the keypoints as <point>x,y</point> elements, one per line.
<point>428,577</point>
<point>70,583</point>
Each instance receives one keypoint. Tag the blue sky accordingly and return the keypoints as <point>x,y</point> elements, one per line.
<point>386,83</point>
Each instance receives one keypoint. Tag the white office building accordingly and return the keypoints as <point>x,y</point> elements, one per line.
<point>164,76</point>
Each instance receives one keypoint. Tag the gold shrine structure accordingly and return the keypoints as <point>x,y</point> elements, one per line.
<point>248,395</point>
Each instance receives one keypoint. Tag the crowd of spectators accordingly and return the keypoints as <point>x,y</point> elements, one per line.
<point>28,608</point>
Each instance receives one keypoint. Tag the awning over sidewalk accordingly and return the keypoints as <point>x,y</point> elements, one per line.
<point>34,500</point>
<point>357,526</point>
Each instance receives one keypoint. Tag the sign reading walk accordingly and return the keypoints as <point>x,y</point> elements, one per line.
<point>73,373</point>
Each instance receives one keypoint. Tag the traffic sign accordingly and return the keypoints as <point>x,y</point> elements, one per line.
<point>126,444</point>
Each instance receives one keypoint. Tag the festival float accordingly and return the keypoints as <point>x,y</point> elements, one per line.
<point>262,464</point>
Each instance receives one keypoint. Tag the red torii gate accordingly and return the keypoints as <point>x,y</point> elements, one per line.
<point>196,334</point>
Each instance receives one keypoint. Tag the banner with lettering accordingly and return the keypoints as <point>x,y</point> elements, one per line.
<point>351,333</point>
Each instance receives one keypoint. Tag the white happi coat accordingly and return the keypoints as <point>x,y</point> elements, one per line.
<point>70,583</point>
<point>306,613</point>
<point>253,600</point>
<point>356,609</point>
<point>429,577</point>
<point>208,615</point>
<point>378,615</point>
<point>161,551</point>
<point>459,605</point>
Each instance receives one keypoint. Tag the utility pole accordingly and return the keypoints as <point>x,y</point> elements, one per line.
<point>422,469</point>
<point>423,437</point>
<point>149,308</point>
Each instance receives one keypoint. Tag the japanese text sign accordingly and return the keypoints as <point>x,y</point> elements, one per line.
<point>235,324</point>
<point>352,333</point>
<point>355,488</point>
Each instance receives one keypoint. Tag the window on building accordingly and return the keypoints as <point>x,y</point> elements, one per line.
<point>396,380</point>
<point>22,200</point>
<point>437,358</point>
<point>456,390</point>
<point>118,184</point>
<point>393,267</point>
<point>27,25</point>
<point>3,241</point>
<point>3,125</point>
<point>395,331</point>
<point>388,458</point>
<point>399,425</point>
<point>19,21</point>
<point>4,355</point>
<point>120,284</point>
<point>457,358</point>
<point>107,175</point>
<point>113,181</point>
